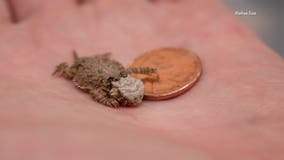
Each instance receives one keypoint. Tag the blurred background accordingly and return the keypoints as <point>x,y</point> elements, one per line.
<point>268,22</point>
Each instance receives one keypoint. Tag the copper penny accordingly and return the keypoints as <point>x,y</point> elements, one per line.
<point>177,71</point>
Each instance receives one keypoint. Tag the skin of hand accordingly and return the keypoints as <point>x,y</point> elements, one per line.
<point>235,111</point>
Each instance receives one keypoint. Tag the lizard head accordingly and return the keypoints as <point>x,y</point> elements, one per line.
<point>131,90</point>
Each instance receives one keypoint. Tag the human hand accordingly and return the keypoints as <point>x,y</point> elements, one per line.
<point>235,111</point>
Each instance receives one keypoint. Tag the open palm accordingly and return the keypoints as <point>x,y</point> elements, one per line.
<point>235,111</point>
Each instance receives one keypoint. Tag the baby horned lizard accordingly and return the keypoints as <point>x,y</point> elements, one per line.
<point>105,79</point>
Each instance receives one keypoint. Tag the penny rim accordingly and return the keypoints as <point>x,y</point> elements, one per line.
<point>192,73</point>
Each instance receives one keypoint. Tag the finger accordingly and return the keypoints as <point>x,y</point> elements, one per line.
<point>120,4</point>
<point>24,9</point>
<point>140,3</point>
<point>152,8</point>
<point>4,12</point>
<point>80,2</point>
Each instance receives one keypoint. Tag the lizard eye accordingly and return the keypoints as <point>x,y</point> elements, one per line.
<point>112,79</point>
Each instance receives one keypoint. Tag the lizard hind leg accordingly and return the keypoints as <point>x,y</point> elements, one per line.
<point>63,70</point>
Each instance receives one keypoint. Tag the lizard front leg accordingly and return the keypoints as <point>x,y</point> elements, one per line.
<point>102,97</point>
